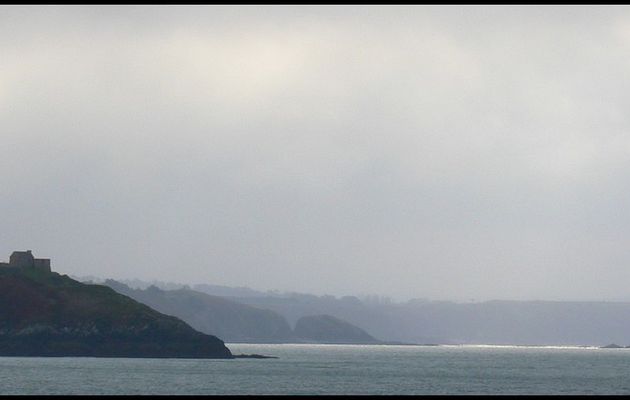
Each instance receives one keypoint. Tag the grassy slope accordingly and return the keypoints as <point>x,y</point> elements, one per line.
<point>51,314</point>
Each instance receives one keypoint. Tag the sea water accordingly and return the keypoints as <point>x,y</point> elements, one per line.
<point>334,369</point>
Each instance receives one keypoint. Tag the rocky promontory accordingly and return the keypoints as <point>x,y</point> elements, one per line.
<point>43,313</point>
<point>328,329</point>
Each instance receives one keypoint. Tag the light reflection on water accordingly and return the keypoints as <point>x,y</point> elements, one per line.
<point>334,369</point>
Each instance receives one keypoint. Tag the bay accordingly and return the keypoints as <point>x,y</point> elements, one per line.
<point>334,369</point>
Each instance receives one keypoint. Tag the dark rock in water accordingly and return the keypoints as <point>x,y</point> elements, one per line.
<point>328,329</point>
<point>252,356</point>
<point>397,343</point>
<point>612,346</point>
<point>46,314</point>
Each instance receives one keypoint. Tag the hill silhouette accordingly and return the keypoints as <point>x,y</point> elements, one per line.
<point>47,314</point>
<point>232,321</point>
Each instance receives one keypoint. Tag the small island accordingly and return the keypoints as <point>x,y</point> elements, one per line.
<point>614,346</point>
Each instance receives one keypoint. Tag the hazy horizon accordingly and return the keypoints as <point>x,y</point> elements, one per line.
<point>436,152</point>
<point>379,297</point>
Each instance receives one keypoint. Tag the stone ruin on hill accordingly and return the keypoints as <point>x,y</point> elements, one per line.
<point>25,259</point>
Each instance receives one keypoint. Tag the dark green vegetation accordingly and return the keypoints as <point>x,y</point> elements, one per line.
<point>328,329</point>
<point>48,314</point>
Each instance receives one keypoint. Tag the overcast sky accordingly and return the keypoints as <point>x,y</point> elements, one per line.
<point>440,152</point>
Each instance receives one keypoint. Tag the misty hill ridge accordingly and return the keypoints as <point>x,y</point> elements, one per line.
<point>237,322</point>
<point>47,314</point>
<point>214,315</point>
<point>328,329</point>
<point>445,322</point>
<point>497,321</point>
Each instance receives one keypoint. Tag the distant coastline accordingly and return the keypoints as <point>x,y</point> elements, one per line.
<point>464,346</point>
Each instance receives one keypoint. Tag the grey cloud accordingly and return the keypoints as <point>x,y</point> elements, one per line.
<point>446,152</point>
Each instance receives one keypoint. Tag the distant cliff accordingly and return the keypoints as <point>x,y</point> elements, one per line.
<point>236,322</point>
<point>328,329</point>
<point>232,321</point>
<point>428,322</point>
<point>46,314</point>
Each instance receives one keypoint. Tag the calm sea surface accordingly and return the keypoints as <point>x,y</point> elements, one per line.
<point>333,369</point>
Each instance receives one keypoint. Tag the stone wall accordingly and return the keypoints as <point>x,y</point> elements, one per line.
<point>22,259</point>
<point>25,259</point>
<point>42,263</point>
